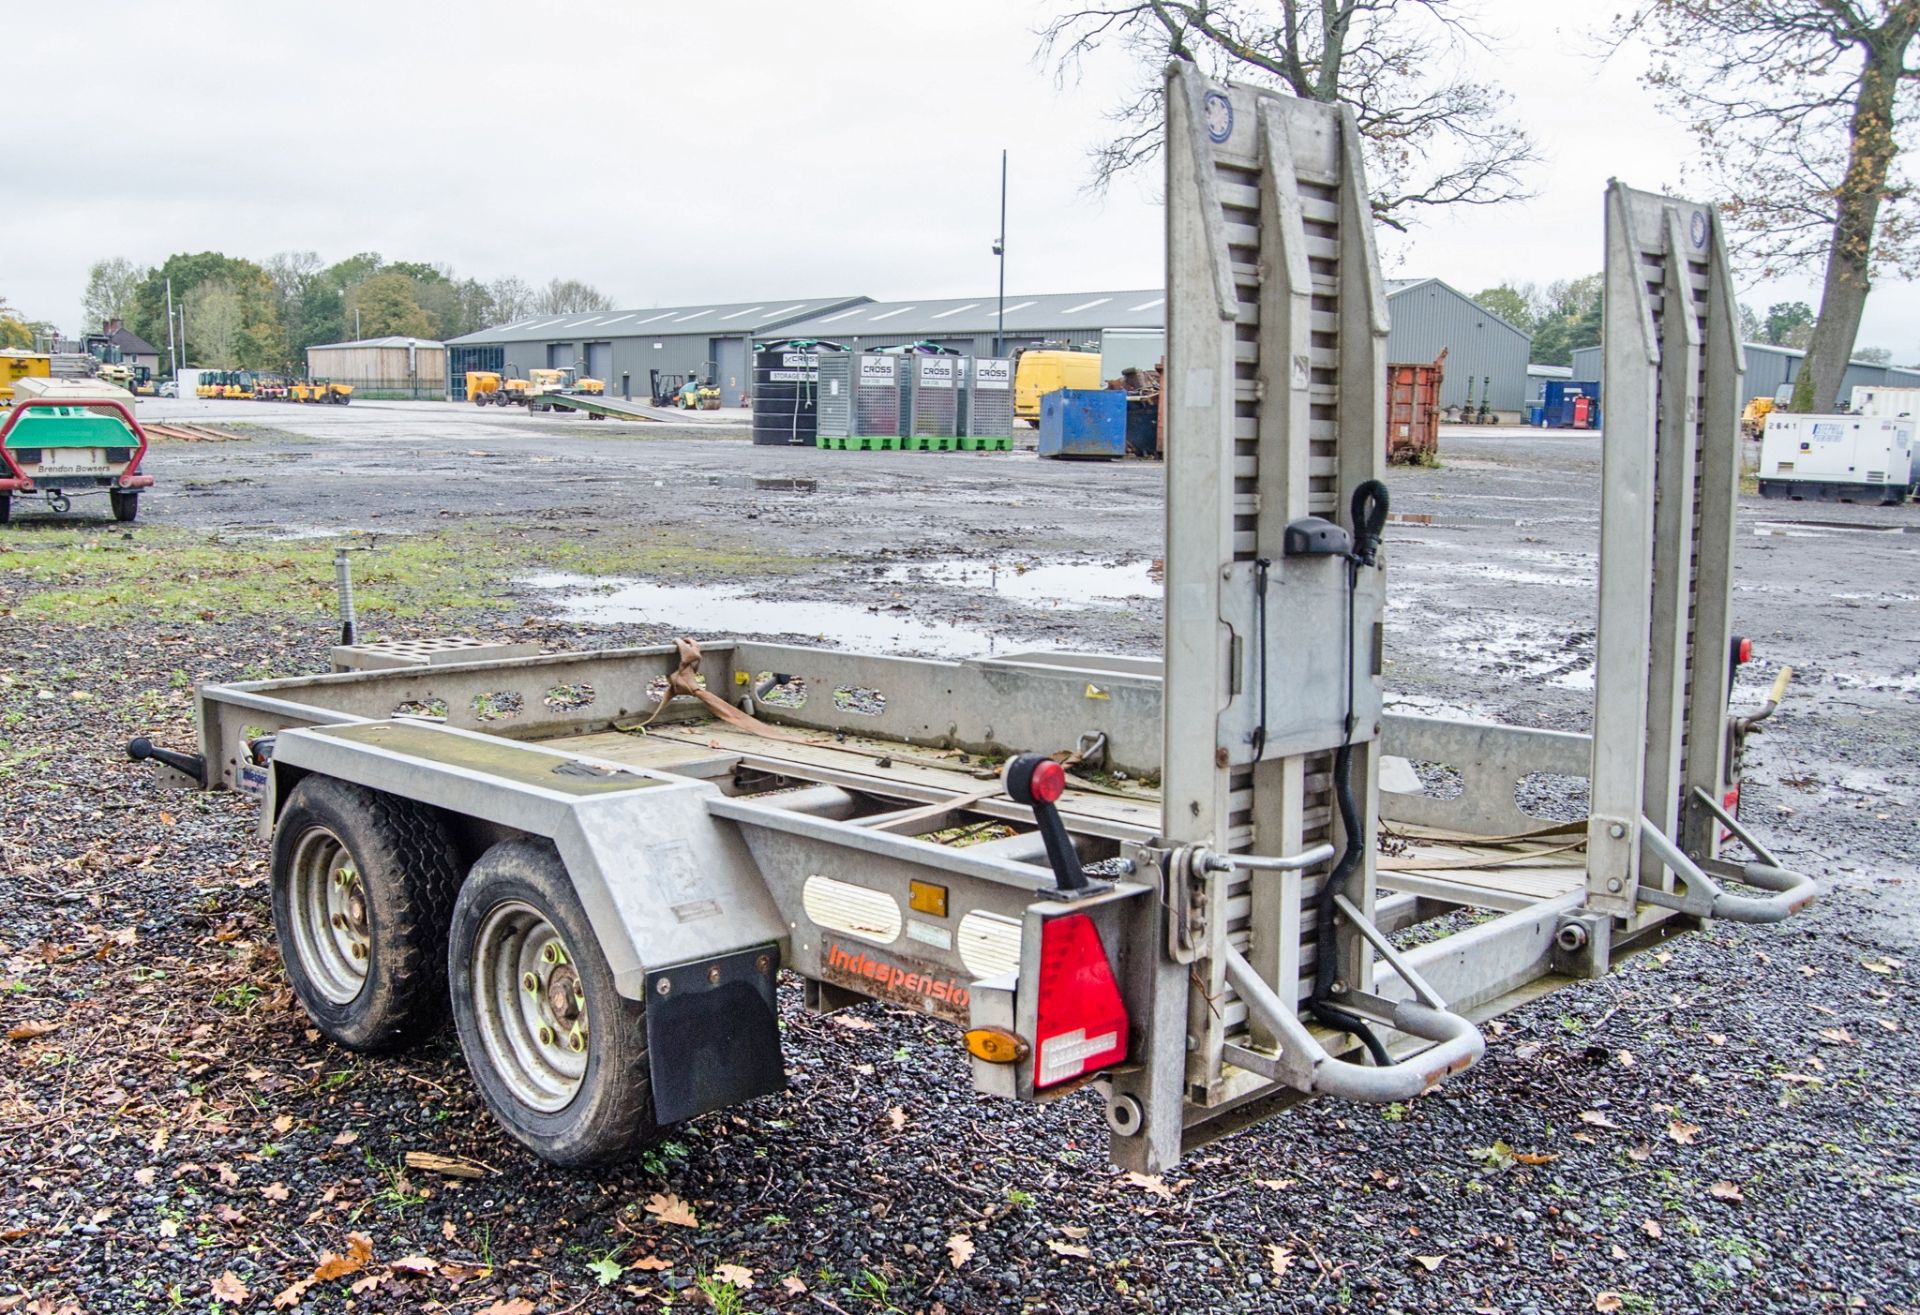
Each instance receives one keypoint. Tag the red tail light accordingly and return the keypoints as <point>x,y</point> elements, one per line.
<point>1082,1022</point>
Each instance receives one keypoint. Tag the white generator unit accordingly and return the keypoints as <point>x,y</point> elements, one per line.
<point>1903,403</point>
<point>1840,458</point>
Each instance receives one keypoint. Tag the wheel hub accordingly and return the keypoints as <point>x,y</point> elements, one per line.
<point>532,1006</point>
<point>332,922</point>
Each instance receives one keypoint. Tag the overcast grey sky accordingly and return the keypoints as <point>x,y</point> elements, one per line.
<point>686,152</point>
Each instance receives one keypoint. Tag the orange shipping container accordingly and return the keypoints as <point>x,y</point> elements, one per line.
<point>1413,411</point>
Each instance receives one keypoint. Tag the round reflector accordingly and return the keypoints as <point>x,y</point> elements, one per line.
<point>1746,650</point>
<point>1049,781</point>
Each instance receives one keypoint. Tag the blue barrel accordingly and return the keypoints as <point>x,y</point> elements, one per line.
<point>1088,424</point>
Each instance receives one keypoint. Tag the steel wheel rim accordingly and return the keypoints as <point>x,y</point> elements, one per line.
<point>530,1005</point>
<point>332,925</point>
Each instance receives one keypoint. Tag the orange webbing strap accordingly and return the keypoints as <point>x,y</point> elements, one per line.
<point>684,679</point>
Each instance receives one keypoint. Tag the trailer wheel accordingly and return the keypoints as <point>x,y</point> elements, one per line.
<point>126,506</point>
<point>559,1055</point>
<point>363,891</point>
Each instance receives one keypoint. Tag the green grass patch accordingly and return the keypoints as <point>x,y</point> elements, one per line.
<point>83,576</point>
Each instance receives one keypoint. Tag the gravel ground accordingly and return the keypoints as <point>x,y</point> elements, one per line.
<point>1725,1124</point>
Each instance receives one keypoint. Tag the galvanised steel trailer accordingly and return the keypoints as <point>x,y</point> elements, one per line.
<point>601,863</point>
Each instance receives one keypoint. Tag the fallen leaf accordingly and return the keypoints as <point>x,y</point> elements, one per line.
<point>275,1191</point>
<point>284,1124</point>
<point>793,1285</point>
<point>1534,1157</point>
<point>897,1117</point>
<point>447,1230</point>
<point>1640,1154</point>
<point>606,1269</point>
<point>1838,1035</point>
<point>346,1139</point>
<point>1882,966</point>
<point>143,1176</point>
<point>1617,1251</point>
<point>1725,1191</point>
<point>1277,1184</point>
<point>1428,1263</point>
<point>1808,970</point>
<point>738,1276</point>
<point>1060,1248</point>
<point>228,1178</point>
<point>30,1031</point>
<point>1892,1025</point>
<point>670,1209</point>
<point>517,1306</point>
<point>959,1249</point>
<point>169,1228</point>
<point>230,1289</point>
<point>367,1282</point>
<point>1717,1038</point>
<point>290,1295</point>
<point>1153,1183</point>
<point>1596,1119</point>
<point>853,1022</point>
<point>415,1265</point>
<point>1683,1133</point>
<point>1651,1227</point>
<point>1279,1258</point>
<point>1068,1230</point>
<point>359,1252</point>
<point>1607,1301</point>
<point>650,1263</point>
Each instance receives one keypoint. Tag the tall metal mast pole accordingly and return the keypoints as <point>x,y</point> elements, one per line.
<point>1000,250</point>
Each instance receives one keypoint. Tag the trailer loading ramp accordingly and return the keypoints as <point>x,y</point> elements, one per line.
<point>617,408</point>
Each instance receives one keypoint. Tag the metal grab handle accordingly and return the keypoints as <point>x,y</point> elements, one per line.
<point>1306,858</point>
<point>1305,1065</point>
<point>1705,898</point>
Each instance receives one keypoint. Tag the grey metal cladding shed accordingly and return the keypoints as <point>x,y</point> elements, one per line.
<point>1428,315</point>
<point>1771,368</point>
<point>970,324</point>
<point>714,339</point>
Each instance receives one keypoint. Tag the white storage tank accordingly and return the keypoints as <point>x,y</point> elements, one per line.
<point>1842,458</point>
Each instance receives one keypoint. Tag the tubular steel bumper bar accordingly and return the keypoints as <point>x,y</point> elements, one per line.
<point>1306,858</point>
<point>1703,897</point>
<point>1304,1064</point>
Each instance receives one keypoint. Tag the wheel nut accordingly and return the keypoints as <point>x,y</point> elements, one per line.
<point>531,981</point>
<point>665,987</point>
<point>550,953</point>
<point>764,963</point>
<point>576,1042</point>
<point>713,975</point>
<point>546,1035</point>
<point>340,921</point>
<point>359,950</point>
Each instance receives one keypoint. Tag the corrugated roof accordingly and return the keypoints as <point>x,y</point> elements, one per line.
<point>1397,286</point>
<point>393,340</point>
<point>944,317</point>
<point>743,317</point>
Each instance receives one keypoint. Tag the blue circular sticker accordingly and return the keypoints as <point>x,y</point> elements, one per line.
<point>1700,229</point>
<point>1218,112</point>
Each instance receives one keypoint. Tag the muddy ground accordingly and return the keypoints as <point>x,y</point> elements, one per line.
<point>1727,1125</point>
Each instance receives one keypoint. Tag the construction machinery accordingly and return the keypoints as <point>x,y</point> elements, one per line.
<point>321,391</point>
<point>64,438</point>
<point>490,387</point>
<point>16,365</point>
<point>602,860</point>
<point>565,380</point>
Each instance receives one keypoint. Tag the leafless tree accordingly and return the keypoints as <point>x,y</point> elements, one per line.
<point>1434,125</point>
<point>512,299</point>
<point>1802,110</point>
<point>565,296</point>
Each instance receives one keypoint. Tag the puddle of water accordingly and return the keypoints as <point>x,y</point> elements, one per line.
<point>764,483</point>
<point>1824,529</point>
<point>728,610</point>
<point>1060,586</point>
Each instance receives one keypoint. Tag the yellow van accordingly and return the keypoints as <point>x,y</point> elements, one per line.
<point>16,365</point>
<point>1042,372</point>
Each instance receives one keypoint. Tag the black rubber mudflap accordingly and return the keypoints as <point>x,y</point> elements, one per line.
<point>713,1034</point>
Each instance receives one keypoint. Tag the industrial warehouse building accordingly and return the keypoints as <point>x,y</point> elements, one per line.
<point>383,367</point>
<point>1128,328</point>
<point>624,348</point>
<point>1484,352</point>
<point>1770,368</point>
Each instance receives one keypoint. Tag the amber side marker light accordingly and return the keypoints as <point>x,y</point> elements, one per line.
<point>996,1045</point>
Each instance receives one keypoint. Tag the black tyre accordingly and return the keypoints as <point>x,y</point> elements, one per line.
<point>363,892</point>
<point>479,399</point>
<point>126,506</point>
<point>6,508</point>
<point>559,1056</point>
